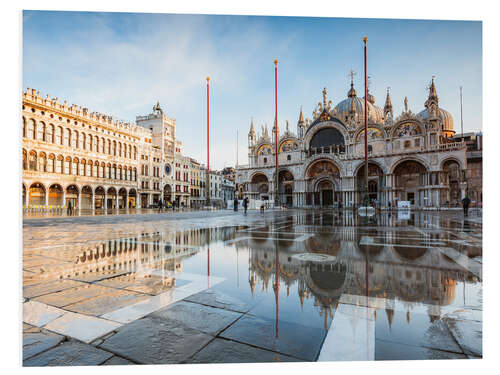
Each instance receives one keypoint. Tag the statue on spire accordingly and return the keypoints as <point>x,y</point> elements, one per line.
<point>406,104</point>
<point>324,98</point>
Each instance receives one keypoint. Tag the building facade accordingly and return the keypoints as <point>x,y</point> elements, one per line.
<point>413,157</point>
<point>88,160</point>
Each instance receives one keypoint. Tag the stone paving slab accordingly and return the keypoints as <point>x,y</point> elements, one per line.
<point>70,353</point>
<point>117,361</point>
<point>293,339</point>
<point>469,335</point>
<point>72,295</point>
<point>37,290</point>
<point>226,351</point>
<point>386,351</point>
<point>28,328</point>
<point>351,336</point>
<point>98,276</point>
<point>82,327</point>
<point>39,314</point>
<point>206,319</point>
<point>421,332</point>
<point>37,342</point>
<point>214,298</point>
<point>153,340</point>
<point>105,303</point>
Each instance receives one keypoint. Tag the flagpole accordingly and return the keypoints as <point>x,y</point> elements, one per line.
<point>276,199</point>
<point>461,115</point>
<point>207,189</point>
<point>365,39</point>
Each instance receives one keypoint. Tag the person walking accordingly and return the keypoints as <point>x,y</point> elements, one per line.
<point>160,205</point>
<point>70,208</point>
<point>235,204</point>
<point>245,204</point>
<point>465,204</point>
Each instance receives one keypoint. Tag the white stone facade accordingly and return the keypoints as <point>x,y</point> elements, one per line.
<point>411,158</point>
<point>87,160</point>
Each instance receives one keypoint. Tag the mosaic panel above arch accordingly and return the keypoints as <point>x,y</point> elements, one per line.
<point>322,168</point>
<point>406,129</point>
<point>288,145</point>
<point>265,150</point>
<point>373,133</point>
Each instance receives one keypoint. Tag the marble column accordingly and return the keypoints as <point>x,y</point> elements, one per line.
<point>46,197</point>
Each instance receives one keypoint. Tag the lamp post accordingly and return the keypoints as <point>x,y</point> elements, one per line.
<point>276,198</point>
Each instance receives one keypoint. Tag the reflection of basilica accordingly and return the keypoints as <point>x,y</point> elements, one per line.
<point>408,275</point>
<point>414,157</point>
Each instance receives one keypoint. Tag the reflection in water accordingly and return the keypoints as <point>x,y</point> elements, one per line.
<point>399,267</point>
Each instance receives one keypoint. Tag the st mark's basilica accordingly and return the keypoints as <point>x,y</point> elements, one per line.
<point>415,157</point>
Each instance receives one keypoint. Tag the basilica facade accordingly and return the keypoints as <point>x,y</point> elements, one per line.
<point>413,157</point>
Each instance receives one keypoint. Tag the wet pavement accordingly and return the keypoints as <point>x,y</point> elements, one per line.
<point>224,287</point>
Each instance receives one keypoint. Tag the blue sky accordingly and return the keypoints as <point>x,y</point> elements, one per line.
<point>122,63</point>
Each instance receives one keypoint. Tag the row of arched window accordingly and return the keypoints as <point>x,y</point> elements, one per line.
<point>77,167</point>
<point>77,140</point>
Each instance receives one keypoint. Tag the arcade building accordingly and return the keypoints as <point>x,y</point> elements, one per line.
<point>415,157</point>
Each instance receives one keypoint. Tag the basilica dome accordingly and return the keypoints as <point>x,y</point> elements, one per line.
<point>445,117</point>
<point>375,114</point>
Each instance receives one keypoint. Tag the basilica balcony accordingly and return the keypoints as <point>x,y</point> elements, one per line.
<point>449,146</point>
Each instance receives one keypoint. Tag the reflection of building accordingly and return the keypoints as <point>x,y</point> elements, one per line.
<point>395,273</point>
<point>93,161</point>
<point>413,157</point>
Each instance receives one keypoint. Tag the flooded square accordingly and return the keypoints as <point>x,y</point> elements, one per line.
<point>292,285</point>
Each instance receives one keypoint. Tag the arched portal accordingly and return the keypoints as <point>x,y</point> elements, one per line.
<point>324,192</point>
<point>99,196</point>
<point>122,198</point>
<point>452,178</point>
<point>55,195</point>
<point>320,183</point>
<point>37,194</point>
<point>259,186</point>
<point>285,187</point>
<point>167,193</point>
<point>72,193</point>
<point>86,199</point>
<point>132,196</point>
<point>375,183</point>
<point>111,198</point>
<point>409,177</point>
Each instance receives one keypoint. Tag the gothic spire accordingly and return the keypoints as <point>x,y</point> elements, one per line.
<point>252,130</point>
<point>351,93</point>
<point>432,91</point>
<point>301,116</point>
<point>388,103</point>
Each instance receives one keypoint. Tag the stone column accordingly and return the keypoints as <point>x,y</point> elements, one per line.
<point>64,198</point>
<point>92,203</point>
<point>79,201</point>
<point>116,201</point>
<point>105,203</point>
<point>46,196</point>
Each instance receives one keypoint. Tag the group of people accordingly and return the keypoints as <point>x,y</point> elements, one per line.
<point>245,204</point>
